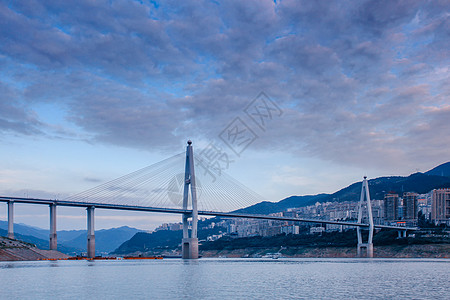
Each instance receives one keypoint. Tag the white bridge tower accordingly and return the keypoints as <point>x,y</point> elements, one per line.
<point>368,247</point>
<point>189,243</point>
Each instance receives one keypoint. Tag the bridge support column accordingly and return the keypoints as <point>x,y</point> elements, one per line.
<point>401,233</point>
<point>10,219</point>
<point>189,248</point>
<point>53,245</point>
<point>90,232</point>
<point>368,247</point>
<point>365,247</point>
<point>189,244</point>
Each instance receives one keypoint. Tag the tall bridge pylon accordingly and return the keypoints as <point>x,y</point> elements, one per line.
<point>189,243</point>
<point>368,246</point>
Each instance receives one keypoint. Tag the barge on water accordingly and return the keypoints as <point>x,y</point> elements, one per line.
<point>108,258</point>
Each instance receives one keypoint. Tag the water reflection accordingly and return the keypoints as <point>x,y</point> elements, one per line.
<point>227,278</point>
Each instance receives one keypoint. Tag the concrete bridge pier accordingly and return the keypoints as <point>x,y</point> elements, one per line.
<point>365,248</point>
<point>189,244</point>
<point>11,219</point>
<point>53,245</point>
<point>189,248</point>
<point>90,232</point>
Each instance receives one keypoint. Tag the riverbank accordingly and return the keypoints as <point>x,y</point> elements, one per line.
<point>15,250</point>
<point>387,251</point>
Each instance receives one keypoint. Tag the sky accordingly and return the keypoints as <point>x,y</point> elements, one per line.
<point>301,97</point>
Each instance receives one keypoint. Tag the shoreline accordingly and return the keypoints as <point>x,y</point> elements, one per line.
<point>15,250</point>
<point>390,251</point>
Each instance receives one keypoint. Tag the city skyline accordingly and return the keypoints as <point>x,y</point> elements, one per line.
<point>93,91</point>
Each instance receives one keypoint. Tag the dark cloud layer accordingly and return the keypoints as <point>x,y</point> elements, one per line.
<point>360,82</point>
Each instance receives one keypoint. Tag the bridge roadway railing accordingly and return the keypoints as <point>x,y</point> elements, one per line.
<point>187,211</point>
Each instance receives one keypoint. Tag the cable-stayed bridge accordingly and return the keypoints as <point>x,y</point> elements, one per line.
<point>182,184</point>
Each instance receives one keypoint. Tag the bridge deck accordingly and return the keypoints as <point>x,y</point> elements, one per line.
<point>184,211</point>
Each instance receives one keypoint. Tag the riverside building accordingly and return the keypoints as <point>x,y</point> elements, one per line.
<point>391,207</point>
<point>410,206</point>
<point>440,206</point>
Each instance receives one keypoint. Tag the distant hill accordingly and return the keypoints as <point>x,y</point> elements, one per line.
<point>419,182</point>
<point>106,240</point>
<point>441,170</point>
<point>40,242</point>
<point>290,202</point>
<point>71,241</point>
<point>26,230</point>
<point>68,235</point>
<point>143,241</point>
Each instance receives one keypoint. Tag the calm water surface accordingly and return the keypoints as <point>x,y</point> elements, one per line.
<point>228,279</point>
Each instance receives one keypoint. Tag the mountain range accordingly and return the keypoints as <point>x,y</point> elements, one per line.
<point>441,170</point>
<point>72,241</point>
<point>438,177</point>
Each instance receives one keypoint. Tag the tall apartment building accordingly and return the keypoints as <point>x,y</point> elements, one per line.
<point>410,206</point>
<point>378,211</point>
<point>440,206</point>
<point>391,207</point>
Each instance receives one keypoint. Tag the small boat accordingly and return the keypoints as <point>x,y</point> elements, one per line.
<point>272,255</point>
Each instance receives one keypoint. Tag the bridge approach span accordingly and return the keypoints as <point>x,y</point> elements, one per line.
<point>188,211</point>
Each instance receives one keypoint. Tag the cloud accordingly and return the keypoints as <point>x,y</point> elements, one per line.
<point>93,180</point>
<point>14,116</point>
<point>355,79</point>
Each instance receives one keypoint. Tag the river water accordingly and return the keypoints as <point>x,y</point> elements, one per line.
<point>227,279</point>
